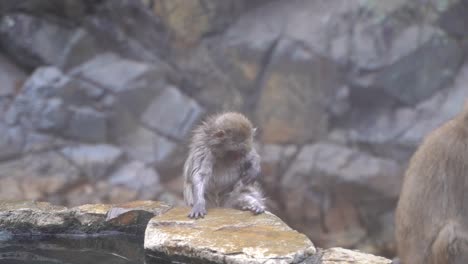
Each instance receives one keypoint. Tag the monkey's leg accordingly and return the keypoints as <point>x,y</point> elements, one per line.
<point>451,245</point>
<point>246,197</point>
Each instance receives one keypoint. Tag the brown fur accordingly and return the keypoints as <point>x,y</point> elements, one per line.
<point>222,166</point>
<point>432,213</point>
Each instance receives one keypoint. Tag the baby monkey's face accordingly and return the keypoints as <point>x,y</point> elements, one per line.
<point>235,142</point>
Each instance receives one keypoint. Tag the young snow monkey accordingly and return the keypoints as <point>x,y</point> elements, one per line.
<point>222,166</point>
<point>432,213</point>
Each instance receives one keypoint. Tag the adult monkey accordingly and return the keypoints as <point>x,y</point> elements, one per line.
<point>432,213</point>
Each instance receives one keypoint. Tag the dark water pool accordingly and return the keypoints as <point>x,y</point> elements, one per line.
<point>111,249</point>
<point>107,249</point>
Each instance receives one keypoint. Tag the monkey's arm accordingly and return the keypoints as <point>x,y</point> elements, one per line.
<point>251,170</point>
<point>201,176</point>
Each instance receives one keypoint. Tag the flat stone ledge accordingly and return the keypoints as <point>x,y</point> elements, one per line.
<point>346,256</point>
<point>41,218</point>
<point>223,236</point>
<point>226,236</point>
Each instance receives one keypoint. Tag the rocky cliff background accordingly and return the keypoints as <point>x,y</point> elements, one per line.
<point>98,98</point>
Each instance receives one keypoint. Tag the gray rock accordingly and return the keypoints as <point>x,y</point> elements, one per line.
<point>34,176</point>
<point>57,8</point>
<point>78,92</point>
<point>337,255</point>
<point>11,77</point>
<point>225,236</point>
<point>12,141</point>
<point>343,165</point>
<point>212,85</point>
<point>345,190</point>
<point>275,159</point>
<point>382,127</point>
<point>366,35</point>
<point>33,41</point>
<point>87,124</point>
<point>118,213</point>
<point>172,113</point>
<point>44,82</point>
<point>454,20</point>
<point>55,103</point>
<point>290,107</point>
<point>111,71</point>
<point>134,83</point>
<point>5,103</point>
<point>147,146</point>
<point>437,110</point>
<point>28,107</point>
<point>53,116</point>
<point>417,76</point>
<point>37,142</point>
<point>41,218</point>
<point>200,19</point>
<point>405,126</point>
<point>94,160</point>
<point>81,47</point>
<point>136,36</point>
<point>139,177</point>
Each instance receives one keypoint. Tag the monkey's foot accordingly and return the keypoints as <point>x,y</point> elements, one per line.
<point>198,211</point>
<point>256,209</point>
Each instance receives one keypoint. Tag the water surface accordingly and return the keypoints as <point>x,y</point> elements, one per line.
<point>112,249</point>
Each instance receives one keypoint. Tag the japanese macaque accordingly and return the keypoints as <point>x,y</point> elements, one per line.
<point>432,213</point>
<point>222,166</point>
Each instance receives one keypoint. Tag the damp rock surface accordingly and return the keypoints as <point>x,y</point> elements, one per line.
<point>166,234</point>
<point>345,256</point>
<point>226,236</point>
<point>43,218</point>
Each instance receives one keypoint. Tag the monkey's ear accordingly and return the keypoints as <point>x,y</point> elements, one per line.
<point>254,131</point>
<point>219,134</point>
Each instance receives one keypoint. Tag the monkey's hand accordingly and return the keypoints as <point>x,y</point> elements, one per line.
<point>198,211</point>
<point>254,208</point>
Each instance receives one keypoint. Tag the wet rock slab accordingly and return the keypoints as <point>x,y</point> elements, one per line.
<point>344,256</point>
<point>226,236</point>
<point>41,218</point>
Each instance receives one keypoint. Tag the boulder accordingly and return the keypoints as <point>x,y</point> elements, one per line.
<point>95,161</point>
<point>454,21</point>
<point>290,105</point>
<point>35,41</point>
<point>222,237</point>
<point>212,84</point>
<point>12,142</point>
<point>87,124</point>
<point>172,113</point>
<point>11,77</point>
<point>36,175</point>
<point>42,218</point>
<point>416,77</point>
<point>52,102</point>
<point>335,188</point>
<point>190,21</point>
<point>147,146</point>
<point>137,177</point>
<point>140,36</point>
<point>343,256</point>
